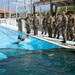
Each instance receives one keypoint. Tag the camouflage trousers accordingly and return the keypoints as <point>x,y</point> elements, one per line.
<point>44,29</point>
<point>71,33</point>
<point>35,30</point>
<point>28,29</point>
<point>49,28</point>
<point>67,33</point>
<point>56,32</point>
<point>64,30</point>
<point>20,28</point>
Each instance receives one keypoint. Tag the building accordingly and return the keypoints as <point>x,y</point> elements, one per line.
<point>4,13</point>
<point>57,3</point>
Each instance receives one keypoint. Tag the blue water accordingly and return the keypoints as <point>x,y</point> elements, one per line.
<point>2,56</point>
<point>58,62</point>
<point>8,37</point>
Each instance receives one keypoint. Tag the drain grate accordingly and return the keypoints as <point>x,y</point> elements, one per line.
<point>2,70</point>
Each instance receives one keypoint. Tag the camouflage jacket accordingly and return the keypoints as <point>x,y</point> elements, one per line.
<point>49,20</point>
<point>58,22</point>
<point>29,21</point>
<point>36,21</point>
<point>64,22</point>
<point>71,21</point>
<point>44,22</point>
<point>19,22</point>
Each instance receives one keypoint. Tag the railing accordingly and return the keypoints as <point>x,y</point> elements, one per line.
<point>10,21</point>
<point>2,21</point>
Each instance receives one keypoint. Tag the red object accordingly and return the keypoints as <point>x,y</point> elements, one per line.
<point>4,11</point>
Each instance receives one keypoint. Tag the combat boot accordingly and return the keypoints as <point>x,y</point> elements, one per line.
<point>63,41</point>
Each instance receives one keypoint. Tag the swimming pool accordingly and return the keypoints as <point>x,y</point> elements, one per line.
<point>8,37</point>
<point>48,62</point>
<point>2,56</point>
<point>33,56</point>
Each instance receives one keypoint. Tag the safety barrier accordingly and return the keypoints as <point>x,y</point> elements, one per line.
<point>10,21</point>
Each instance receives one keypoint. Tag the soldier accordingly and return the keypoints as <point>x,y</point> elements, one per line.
<point>36,23</point>
<point>68,36</point>
<point>71,23</point>
<point>19,23</point>
<point>57,26</point>
<point>74,28</point>
<point>44,23</point>
<point>49,24</point>
<point>28,23</point>
<point>64,26</point>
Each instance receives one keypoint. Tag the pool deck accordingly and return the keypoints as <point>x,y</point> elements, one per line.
<point>68,44</point>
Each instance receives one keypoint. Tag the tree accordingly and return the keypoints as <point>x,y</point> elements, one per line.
<point>69,8</point>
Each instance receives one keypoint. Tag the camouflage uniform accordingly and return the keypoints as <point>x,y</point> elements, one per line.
<point>44,23</point>
<point>28,24</point>
<point>19,22</point>
<point>71,25</point>
<point>57,27</point>
<point>35,25</point>
<point>64,27</point>
<point>49,25</point>
<point>67,33</point>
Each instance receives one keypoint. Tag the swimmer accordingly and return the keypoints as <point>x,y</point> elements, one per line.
<point>22,39</point>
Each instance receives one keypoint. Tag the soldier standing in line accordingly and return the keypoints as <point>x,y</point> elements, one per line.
<point>49,24</point>
<point>67,33</point>
<point>19,23</point>
<point>36,23</point>
<point>64,26</point>
<point>71,24</point>
<point>74,30</point>
<point>57,26</point>
<point>44,23</point>
<point>28,20</point>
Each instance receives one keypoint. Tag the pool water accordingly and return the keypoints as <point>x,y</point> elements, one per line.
<point>33,56</point>
<point>48,62</point>
<point>2,56</point>
<point>8,37</point>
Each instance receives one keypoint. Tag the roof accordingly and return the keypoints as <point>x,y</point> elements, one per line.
<point>57,2</point>
<point>4,11</point>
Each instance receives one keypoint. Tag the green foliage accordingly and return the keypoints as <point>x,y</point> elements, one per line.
<point>1,16</point>
<point>69,8</point>
<point>71,11</point>
<point>14,14</point>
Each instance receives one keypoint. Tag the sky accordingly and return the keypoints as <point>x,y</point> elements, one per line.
<point>4,5</point>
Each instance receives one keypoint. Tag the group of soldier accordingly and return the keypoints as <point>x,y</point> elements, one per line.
<point>62,24</point>
<point>29,22</point>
